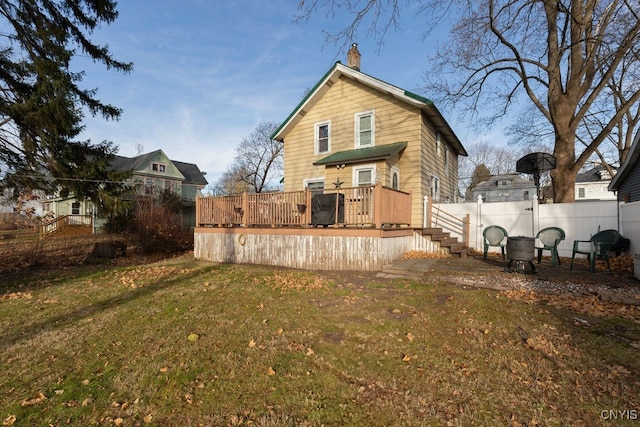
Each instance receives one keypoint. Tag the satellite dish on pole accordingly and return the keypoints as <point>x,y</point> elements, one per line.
<point>535,164</point>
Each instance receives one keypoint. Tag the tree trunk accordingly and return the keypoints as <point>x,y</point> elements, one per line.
<point>564,175</point>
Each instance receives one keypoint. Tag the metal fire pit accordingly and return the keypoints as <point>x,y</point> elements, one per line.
<point>521,249</point>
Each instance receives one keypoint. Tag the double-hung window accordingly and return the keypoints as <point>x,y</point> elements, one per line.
<point>364,175</point>
<point>322,137</point>
<point>365,129</point>
<point>435,188</point>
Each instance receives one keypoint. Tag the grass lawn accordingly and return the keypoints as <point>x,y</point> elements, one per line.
<point>188,343</point>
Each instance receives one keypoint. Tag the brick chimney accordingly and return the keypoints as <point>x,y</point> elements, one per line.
<point>353,57</point>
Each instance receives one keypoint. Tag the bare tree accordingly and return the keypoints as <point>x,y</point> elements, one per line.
<point>560,55</point>
<point>257,165</point>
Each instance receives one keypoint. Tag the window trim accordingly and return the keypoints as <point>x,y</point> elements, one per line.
<point>394,170</point>
<point>316,137</point>
<point>358,131</point>
<point>435,196</point>
<point>438,142</point>
<point>356,169</point>
<point>446,161</point>
<point>158,167</point>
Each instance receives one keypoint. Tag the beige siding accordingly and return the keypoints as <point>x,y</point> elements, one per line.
<point>395,121</point>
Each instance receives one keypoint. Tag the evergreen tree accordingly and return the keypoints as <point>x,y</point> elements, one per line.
<point>41,101</point>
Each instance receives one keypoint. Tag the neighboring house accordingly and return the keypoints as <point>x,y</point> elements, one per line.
<point>151,173</point>
<point>504,188</point>
<point>593,185</point>
<point>353,129</point>
<point>626,183</point>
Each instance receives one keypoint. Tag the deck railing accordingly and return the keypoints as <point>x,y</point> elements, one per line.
<point>64,221</point>
<point>364,206</point>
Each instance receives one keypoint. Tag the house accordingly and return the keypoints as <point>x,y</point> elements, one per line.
<point>151,173</point>
<point>593,185</point>
<point>504,188</point>
<point>363,163</point>
<point>354,130</point>
<point>626,183</point>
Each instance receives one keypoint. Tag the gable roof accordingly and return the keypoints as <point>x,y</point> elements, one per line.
<point>593,175</point>
<point>190,171</point>
<point>627,166</point>
<point>425,105</point>
<point>378,152</point>
<point>516,181</point>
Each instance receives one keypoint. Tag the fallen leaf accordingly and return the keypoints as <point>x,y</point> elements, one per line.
<point>118,421</point>
<point>309,352</point>
<point>410,337</point>
<point>34,401</point>
<point>163,370</point>
<point>252,344</point>
<point>147,418</point>
<point>9,420</point>
<point>193,337</point>
<point>405,358</point>
<point>271,372</point>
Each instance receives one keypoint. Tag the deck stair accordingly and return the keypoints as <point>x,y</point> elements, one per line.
<point>444,239</point>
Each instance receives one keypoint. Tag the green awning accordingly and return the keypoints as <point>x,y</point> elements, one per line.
<point>379,152</point>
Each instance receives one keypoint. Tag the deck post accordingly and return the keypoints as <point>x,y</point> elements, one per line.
<point>197,209</point>
<point>244,214</point>
<point>377,205</point>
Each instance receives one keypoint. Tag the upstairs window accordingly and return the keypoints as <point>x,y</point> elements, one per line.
<point>365,129</point>
<point>158,167</point>
<point>581,193</point>
<point>438,143</point>
<point>322,137</point>
<point>446,161</point>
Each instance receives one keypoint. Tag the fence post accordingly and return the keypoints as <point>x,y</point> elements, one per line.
<point>479,222</point>
<point>428,203</point>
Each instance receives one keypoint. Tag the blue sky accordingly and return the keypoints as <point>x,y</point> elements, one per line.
<point>207,72</point>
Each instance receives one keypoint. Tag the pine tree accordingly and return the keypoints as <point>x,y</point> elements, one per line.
<point>41,101</point>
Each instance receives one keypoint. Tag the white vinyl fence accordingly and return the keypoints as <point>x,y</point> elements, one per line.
<point>579,220</point>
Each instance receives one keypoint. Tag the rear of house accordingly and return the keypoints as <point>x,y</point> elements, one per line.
<point>354,130</point>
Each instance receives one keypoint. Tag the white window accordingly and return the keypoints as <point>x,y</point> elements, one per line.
<point>365,129</point>
<point>315,185</point>
<point>322,137</point>
<point>75,208</point>
<point>148,186</point>
<point>525,195</point>
<point>158,167</point>
<point>438,143</point>
<point>364,175</point>
<point>446,161</point>
<point>435,188</point>
<point>581,193</point>
<point>394,179</point>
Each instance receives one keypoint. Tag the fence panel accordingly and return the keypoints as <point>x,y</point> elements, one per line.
<point>525,218</point>
<point>630,224</point>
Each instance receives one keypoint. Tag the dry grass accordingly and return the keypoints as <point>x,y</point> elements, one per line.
<point>183,342</point>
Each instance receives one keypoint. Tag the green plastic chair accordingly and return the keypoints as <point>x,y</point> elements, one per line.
<point>598,247</point>
<point>494,235</point>
<point>550,238</point>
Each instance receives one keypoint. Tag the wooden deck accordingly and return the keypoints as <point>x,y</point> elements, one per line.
<point>356,207</point>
